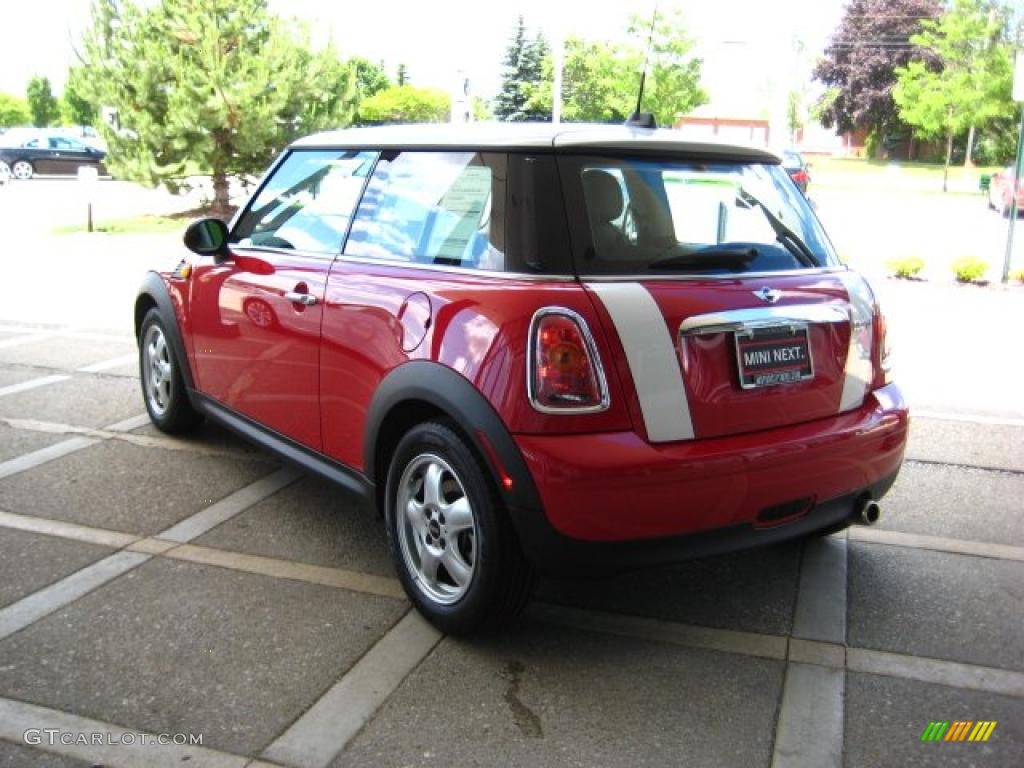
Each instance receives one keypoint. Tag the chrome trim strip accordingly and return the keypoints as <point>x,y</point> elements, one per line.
<point>732,278</point>
<point>762,317</point>
<point>531,363</point>
<point>488,273</point>
<point>652,359</point>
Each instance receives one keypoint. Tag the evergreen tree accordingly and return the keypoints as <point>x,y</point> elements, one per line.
<point>214,86</point>
<point>41,103</point>
<point>402,75</point>
<point>522,74</point>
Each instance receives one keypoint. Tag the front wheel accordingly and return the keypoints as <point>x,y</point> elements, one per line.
<point>163,388</point>
<point>457,555</point>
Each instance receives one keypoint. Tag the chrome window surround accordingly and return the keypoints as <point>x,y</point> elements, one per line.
<point>595,358</point>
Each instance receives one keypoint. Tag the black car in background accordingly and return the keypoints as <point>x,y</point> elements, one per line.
<point>24,157</point>
<point>797,169</point>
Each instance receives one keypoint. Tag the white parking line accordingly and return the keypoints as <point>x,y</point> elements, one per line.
<point>954,674</point>
<point>30,609</point>
<point>166,442</point>
<point>338,578</point>
<point>31,384</point>
<point>937,543</point>
<point>967,418</point>
<point>106,365</point>
<point>20,341</point>
<point>44,455</point>
<point>130,424</point>
<point>18,718</point>
<point>725,640</point>
<point>810,729</point>
<point>209,518</point>
<point>329,725</point>
<point>821,597</point>
<point>65,530</point>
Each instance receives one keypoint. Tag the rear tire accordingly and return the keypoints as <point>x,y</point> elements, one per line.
<point>163,388</point>
<point>22,170</point>
<point>455,550</point>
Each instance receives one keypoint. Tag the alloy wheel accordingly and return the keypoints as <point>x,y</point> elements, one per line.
<point>157,370</point>
<point>437,531</point>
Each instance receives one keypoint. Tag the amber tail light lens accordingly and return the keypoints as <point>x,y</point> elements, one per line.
<point>565,373</point>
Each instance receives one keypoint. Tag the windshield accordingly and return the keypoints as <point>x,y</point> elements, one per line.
<point>645,216</point>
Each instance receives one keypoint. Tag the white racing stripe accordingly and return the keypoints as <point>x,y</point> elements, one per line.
<point>652,359</point>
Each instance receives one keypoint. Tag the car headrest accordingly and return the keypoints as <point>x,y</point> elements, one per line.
<point>603,195</point>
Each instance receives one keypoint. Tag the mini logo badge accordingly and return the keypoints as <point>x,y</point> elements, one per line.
<point>769,295</point>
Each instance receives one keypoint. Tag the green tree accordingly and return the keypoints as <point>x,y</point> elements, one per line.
<point>406,104</point>
<point>13,111</point>
<point>215,85</point>
<point>41,103</point>
<point>601,79</point>
<point>76,108</point>
<point>522,74</point>
<point>970,80</point>
<point>672,86</point>
<point>599,82</point>
<point>370,78</point>
<point>402,76</point>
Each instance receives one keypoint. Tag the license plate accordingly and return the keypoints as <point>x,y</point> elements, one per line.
<point>771,356</point>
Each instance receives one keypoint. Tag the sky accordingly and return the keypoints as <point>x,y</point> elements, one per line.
<point>745,43</point>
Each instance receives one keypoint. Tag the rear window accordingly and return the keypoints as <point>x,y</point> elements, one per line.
<point>647,216</point>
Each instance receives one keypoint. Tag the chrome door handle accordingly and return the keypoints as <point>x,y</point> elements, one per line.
<point>306,299</point>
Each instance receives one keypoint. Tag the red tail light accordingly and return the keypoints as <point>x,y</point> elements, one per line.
<point>565,373</point>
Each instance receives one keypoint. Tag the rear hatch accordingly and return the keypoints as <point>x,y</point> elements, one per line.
<point>722,299</point>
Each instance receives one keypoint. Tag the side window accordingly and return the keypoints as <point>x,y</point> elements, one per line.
<point>308,202</point>
<point>434,208</point>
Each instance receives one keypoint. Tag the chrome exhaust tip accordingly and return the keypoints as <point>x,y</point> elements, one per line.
<point>869,512</point>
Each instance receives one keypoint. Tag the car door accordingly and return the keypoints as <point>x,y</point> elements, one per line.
<point>37,152</point>
<point>256,313</point>
<point>71,155</point>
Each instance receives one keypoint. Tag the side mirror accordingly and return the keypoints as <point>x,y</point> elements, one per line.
<point>207,237</point>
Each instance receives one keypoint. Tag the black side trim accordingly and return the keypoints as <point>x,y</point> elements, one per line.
<point>155,288</point>
<point>453,394</point>
<point>289,450</point>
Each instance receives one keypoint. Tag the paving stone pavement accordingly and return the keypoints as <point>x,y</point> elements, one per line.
<point>273,627</point>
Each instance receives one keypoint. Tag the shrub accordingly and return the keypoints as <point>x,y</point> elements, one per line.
<point>907,268</point>
<point>970,269</point>
<point>1018,275</point>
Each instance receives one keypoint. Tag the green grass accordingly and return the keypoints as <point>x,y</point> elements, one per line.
<point>135,225</point>
<point>858,167</point>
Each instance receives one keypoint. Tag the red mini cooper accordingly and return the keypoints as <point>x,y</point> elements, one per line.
<point>537,348</point>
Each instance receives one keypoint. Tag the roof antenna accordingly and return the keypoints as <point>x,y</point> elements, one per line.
<point>644,119</point>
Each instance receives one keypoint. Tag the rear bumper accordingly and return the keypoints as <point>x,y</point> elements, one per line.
<point>617,500</point>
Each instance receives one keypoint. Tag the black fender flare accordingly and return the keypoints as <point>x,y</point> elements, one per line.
<point>154,288</point>
<point>453,394</point>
